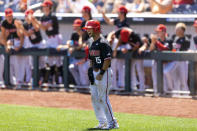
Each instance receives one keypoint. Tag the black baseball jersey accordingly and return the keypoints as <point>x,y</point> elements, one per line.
<point>11,28</point>
<point>167,44</point>
<point>133,38</point>
<point>36,37</point>
<point>99,51</point>
<point>121,24</point>
<point>52,19</point>
<point>75,38</point>
<point>181,43</point>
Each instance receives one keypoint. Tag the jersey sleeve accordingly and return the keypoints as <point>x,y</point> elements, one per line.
<point>117,33</point>
<point>116,21</point>
<point>106,51</point>
<point>55,23</point>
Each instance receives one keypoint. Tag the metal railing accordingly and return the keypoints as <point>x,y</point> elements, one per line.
<point>158,56</point>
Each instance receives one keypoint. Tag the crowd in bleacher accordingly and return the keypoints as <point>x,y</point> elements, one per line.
<point>108,6</point>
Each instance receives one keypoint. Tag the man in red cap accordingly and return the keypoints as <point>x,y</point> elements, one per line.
<point>121,21</point>
<point>100,73</point>
<point>13,38</point>
<point>33,39</point>
<point>49,23</point>
<point>78,67</point>
<point>160,42</point>
<point>177,73</point>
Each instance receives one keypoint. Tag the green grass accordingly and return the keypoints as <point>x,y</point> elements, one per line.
<point>24,118</point>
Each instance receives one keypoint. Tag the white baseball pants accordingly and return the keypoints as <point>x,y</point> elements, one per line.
<point>100,98</point>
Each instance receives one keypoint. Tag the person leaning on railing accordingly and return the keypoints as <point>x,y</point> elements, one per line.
<point>178,71</point>
<point>13,38</point>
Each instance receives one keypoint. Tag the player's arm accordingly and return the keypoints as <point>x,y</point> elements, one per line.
<point>153,41</point>
<point>21,38</point>
<point>108,20</point>
<point>39,24</point>
<point>3,34</point>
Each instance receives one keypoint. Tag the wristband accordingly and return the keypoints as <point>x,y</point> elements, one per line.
<point>102,72</point>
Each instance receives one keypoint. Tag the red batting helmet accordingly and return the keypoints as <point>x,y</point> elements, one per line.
<point>93,24</point>
<point>123,9</point>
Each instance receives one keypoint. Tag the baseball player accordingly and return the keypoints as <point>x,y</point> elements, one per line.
<point>160,42</point>
<point>78,67</point>
<point>100,76</point>
<point>33,39</point>
<point>128,36</point>
<point>177,73</point>
<point>50,25</point>
<point>118,65</point>
<point>121,21</point>
<point>13,38</point>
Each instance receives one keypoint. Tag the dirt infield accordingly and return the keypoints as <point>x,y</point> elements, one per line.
<point>129,104</point>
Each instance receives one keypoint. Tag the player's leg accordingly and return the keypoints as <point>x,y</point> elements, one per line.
<point>97,107</point>
<point>154,76</point>
<point>121,73</point>
<point>1,69</point>
<point>183,75</point>
<point>140,71</point>
<point>75,72</point>
<point>114,70</point>
<point>169,74</point>
<point>134,81</point>
<point>103,91</point>
<point>83,71</point>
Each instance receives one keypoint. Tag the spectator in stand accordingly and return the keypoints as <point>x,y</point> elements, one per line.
<point>77,5</point>
<point>183,6</point>
<point>138,6</point>
<point>2,3</point>
<point>195,37</point>
<point>160,6</point>
<point>99,4</point>
<point>117,5</point>
<point>177,73</point>
<point>12,4</point>
<point>121,21</point>
<point>108,6</point>
<point>62,7</point>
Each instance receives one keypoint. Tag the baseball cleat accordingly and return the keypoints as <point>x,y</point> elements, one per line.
<point>101,126</point>
<point>112,125</point>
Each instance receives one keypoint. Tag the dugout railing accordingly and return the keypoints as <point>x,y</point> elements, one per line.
<point>158,56</point>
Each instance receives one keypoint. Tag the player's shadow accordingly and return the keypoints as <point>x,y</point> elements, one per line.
<point>94,129</point>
